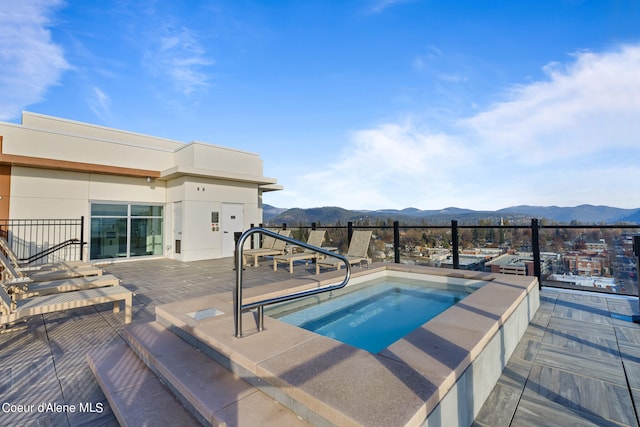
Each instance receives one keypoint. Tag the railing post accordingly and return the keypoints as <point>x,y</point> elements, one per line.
<point>237,292</point>
<point>535,246</point>
<point>313,225</point>
<point>236,237</point>
<point>636,252</point>
<point>284,225</point>
<point>349,232</point>
<point>455,244</point>
<point>396,242</point>
<point>82,238</point>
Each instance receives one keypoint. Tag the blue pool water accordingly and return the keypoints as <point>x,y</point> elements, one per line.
<point>375,316</point>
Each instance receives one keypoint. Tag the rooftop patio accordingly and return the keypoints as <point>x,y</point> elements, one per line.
<point>578,363</point>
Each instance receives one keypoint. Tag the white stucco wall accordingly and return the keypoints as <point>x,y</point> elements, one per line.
<point>205,156</point>
<point>62,146</point>
<point>200,197</point>
<point>40,193</point>
<point>203,178</point>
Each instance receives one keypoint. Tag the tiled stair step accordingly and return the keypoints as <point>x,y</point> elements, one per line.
<point>214,394</point>
<point>134,393</point>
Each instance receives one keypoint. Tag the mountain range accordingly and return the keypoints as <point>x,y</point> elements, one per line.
<point>583,214</point>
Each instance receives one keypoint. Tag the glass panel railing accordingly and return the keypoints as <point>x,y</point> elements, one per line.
<point>596,258</point>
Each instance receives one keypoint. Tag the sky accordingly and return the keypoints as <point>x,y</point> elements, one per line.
<point>362,104</point>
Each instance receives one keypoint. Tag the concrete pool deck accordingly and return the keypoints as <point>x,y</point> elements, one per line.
<point>578,362</point>
<point>451,362</point>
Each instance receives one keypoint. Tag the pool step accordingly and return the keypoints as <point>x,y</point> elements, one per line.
<point>239,357</point>
<point>124,379</point>
<point>210,393</point>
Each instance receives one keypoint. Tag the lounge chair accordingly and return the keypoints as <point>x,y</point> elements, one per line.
<point>22,290</point>
<point>267,244</point>
<point>62,265</point>
<point>15,283</point>
<point>356,254</point>
<point>9,272</point>
<point>11,311</point>
<point>315,238</point>
<point>277,248</point>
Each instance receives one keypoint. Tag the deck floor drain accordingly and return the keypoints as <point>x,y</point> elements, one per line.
<point>205,314</point>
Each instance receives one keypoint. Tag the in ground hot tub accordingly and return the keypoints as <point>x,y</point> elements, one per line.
<point>438,373</point>
<point>376,310</point>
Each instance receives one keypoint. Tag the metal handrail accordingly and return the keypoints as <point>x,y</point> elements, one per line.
<point>238,307</point>
<point>51,250</point>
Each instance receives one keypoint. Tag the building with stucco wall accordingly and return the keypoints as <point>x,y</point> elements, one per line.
<point>142,196</point>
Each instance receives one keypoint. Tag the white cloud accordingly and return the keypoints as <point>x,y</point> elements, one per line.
<point>30,62</point>
<point>378,6</point>
<point>100,104</point>
<point>178,54</point>
<point>589,106</point>
<point>567,140</point>
<point>385,166</point>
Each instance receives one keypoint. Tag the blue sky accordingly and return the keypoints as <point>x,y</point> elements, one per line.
<point>364,104</point>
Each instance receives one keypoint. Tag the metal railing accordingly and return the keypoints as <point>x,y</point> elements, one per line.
<point>539,239</point>
<point>41,241</point>
<point>239,307</point>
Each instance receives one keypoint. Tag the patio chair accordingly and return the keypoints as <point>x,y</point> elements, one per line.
<point>24,287</point>
<point>356,254</point>
<point>11,311</point>
<point>22,290</point>
<point>62,265</point>
<point>267,244</point>
<point>10,273</point>
<point>278,248</point>
<point>316,237</point>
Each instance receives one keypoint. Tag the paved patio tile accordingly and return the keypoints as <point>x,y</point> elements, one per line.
<point>554,394</point>
<point>21,376</point>
<point>499,407</point>
<point>566,370</point>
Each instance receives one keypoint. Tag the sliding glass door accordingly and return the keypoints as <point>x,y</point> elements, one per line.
<point>125,230</point>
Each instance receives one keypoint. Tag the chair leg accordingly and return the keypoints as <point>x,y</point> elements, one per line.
<point>128,308</point>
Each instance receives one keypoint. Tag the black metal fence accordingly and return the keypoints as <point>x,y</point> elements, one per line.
<point>40,241</point>
<point>554,253</point>
<point>558,255</point>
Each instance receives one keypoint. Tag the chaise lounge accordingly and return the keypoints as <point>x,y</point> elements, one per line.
<point>277,248</point>
<point>10,273</point>
<point>315,238</point>
<point>356,254</point>
<point>24,287</point>
<point>11,311</point>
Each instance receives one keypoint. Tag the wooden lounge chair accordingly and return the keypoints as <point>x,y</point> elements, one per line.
<point>26,287</point>
<point>316,237</point>
<point>356,254</point>
<point>11,311</point>
<point>22,290</point>
<point>267,244</point>
<point>10,274</point>
<point>277,248</point>
<point>62,265</point>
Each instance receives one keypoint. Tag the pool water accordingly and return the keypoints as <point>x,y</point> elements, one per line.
<point>376,315</point>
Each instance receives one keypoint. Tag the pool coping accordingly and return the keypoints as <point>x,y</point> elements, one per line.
<point>431,372</point>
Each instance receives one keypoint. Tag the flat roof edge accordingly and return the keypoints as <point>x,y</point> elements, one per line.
<point>179,171</point>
